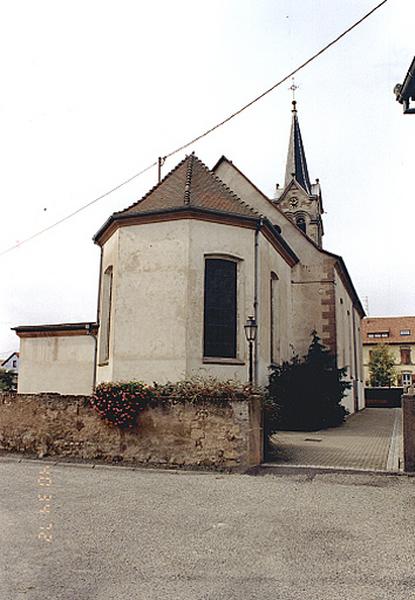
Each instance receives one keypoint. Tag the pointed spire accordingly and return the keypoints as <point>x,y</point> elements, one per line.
<point>296,161</point>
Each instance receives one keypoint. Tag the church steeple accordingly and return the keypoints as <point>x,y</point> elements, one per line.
<point>300,199</point>
<point>296,161</point>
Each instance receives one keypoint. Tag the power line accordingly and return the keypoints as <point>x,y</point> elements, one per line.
<point>304,64</point>
<point>78,210</point>
<point>202,135</point>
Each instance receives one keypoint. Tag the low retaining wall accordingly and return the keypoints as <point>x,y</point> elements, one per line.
<point>383,397</point>
<point>177,435</point>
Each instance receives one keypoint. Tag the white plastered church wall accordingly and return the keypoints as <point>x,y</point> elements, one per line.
<point>148,320</point>
<point>158,300</point>
<point>348,341</point>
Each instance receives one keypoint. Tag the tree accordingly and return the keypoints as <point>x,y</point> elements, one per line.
<point>307,392</point>
<point>382,367</point>
<point>7,381</point>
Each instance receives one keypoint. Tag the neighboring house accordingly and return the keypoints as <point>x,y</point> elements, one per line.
<point>399,334</point>
<point>11,363</point>
<point>57,358</point>
<point>405,92</point>
<point>184,267</point>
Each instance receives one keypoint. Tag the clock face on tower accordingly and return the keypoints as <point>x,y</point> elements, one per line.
<point>293,202</point>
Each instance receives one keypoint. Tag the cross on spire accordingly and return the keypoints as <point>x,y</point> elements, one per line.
<point>293,87</point>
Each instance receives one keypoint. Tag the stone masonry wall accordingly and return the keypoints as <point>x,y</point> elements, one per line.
<point>179,435</point>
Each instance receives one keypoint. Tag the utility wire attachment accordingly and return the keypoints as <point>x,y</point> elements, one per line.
<point>160,162</point>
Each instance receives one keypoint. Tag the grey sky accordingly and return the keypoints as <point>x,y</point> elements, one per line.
<point>94,91</point>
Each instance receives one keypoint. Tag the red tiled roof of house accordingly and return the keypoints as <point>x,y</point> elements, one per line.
<point>397,329</point>
<point>191,183</point>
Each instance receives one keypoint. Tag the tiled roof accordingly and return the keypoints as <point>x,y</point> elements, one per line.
<point>191,184</point>
<point>390,325</point>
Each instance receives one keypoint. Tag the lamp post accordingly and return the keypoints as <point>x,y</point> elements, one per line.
<point>250,328</point>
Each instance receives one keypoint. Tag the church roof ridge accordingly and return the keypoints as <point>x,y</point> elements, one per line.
<point>189,173</point>
<point>190,183</point>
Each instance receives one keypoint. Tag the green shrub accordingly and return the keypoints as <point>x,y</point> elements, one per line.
<point>8,381</point>
<point>305,394</point>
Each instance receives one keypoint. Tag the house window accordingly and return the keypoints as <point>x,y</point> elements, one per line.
<point>405,332</point>
<point>14,364</point>
<point>406,379</point>
<point>274,353</point>
<point>379,334</point>
<point>300,221</point>
<point>105,321</point>
<point>219,338</point>
<point>405,356</point>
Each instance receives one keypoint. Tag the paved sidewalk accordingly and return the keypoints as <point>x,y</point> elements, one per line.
<point>369,440</point>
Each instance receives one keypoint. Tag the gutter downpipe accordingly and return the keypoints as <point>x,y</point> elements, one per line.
<point>260,223</point>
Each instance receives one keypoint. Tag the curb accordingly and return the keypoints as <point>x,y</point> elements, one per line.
<point>100,466</point>
<point>276,469</point>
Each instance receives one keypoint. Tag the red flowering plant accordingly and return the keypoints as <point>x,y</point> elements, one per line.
<point>120,402</point>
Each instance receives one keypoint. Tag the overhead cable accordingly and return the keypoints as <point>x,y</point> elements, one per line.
<point>202,135</point>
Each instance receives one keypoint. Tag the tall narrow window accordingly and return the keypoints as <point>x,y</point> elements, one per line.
<point>105,320</point>
<point>220,308</point>
<point>301,223</point>
<point>273,304</point>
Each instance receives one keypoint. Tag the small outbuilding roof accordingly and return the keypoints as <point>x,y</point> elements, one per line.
<point>84,328</point>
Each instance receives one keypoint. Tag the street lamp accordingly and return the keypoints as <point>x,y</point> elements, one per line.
<point>250,334</point>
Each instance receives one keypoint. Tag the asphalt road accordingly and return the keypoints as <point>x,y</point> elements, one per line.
<point>119,534</point>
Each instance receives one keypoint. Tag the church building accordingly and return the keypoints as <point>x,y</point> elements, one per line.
<point>184,268</point>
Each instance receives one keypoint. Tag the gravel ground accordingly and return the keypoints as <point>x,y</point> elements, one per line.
<point>123,534</point>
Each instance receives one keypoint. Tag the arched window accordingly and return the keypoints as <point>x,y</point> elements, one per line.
<point>300,221</point>
<point>219,335</point>
<point>105,317</point>
<point>273,317</point>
